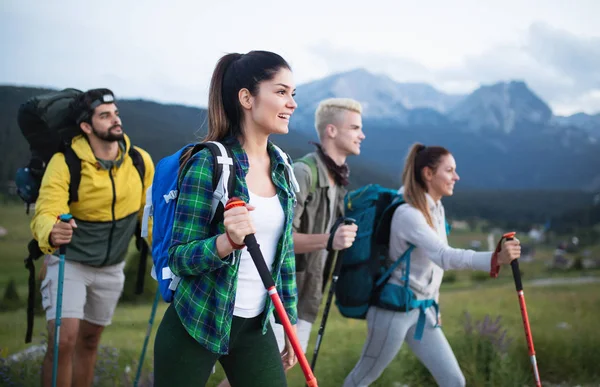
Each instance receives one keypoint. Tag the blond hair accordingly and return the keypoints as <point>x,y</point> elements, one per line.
<point>329,111</point>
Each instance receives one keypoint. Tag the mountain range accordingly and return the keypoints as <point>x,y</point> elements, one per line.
<point>503,135</point>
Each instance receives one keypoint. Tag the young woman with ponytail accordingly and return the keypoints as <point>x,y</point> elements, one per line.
<point>220,310</point>
<point>429,174</point>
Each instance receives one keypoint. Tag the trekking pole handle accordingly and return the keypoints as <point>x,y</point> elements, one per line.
<point>514,264</point>
<point>253,248</point>
<point>66,218</point>
<point>338,260</point>
<point>336,225</point>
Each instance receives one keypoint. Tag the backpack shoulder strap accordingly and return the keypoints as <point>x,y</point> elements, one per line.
<point>140,243</point>
<point>138,162</point>
<point>404,257</point>
<point>223,176</point>
<point>314,174</point>
<point>384,225</point>
<point>287,159</point>
<point>74,165</point>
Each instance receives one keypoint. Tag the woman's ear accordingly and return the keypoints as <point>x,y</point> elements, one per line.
<point>245,98</point>
<point>427,174</point>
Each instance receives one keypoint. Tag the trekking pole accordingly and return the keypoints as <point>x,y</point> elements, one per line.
<point>59,295</point>
<point>148,332</point>
<point>334,278</point>
<point>519,285</point>
<point>267,280</point>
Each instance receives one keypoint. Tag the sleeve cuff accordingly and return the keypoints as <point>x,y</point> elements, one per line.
<point>44,242</point>
<point>482,261</point>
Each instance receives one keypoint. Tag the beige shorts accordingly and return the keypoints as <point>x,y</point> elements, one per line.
<point>89,293</point>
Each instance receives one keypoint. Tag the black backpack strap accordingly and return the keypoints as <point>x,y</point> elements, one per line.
<point>140,243</point>
<point>74,165</point>
<point>384,224</point>
<point>34,254</point>
<point>138,162</point>
<point>143,248</point>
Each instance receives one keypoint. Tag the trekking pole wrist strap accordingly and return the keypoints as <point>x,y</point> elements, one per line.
<point>233,244</point>
<point>494,266</point>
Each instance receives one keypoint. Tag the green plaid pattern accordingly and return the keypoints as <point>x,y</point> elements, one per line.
<point>204,299</point>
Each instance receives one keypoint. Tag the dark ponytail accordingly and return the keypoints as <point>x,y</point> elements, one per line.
<point>220,121</point>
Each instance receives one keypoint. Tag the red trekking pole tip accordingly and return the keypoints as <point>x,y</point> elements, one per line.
<point>234,202</point>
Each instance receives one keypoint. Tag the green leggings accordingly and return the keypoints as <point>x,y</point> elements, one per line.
<point>253,358</point>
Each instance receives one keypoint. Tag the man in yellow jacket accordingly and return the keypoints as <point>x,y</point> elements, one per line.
<point>111,198</point>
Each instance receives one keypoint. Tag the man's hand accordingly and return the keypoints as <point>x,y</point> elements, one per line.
<point>344,236</point>
<point>62,232</point>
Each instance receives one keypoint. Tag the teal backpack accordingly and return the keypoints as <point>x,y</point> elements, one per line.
<point>366,269</point>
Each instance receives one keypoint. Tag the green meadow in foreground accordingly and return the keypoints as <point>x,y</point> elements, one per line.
<point>481,319</point>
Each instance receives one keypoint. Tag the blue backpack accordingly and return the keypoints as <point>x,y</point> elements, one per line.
<point>161,201</point>
<point>366,269</point>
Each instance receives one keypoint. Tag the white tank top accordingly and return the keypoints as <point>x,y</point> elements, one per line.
<point>268,219</point>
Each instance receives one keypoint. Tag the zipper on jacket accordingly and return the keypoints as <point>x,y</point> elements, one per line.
<point>112,227</point>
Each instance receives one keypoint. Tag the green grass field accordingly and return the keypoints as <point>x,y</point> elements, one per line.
<point>563,321</point>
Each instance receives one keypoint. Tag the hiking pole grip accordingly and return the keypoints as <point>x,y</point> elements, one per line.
<point>338,262</point>
<point>65,218</point>
<point>514,265</point>
<point>254,250</point>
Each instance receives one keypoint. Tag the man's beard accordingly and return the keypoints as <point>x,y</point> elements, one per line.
<point>109,136</point>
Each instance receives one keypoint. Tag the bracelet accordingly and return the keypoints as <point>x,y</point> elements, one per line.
<point>233,244</point>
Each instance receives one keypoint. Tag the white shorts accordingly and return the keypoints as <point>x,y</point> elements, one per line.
<point>303,329</point>
<point>89,293</point>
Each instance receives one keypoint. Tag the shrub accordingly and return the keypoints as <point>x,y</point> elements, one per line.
<point>479,276</point>
<point>11,300</point>
<point>449,277</point>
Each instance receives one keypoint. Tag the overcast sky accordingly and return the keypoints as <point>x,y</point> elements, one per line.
<point>166,50</point>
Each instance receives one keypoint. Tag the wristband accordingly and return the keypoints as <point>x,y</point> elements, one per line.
<point>233,244</point>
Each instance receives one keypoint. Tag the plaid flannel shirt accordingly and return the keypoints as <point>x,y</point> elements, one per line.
<point>205,297</point>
